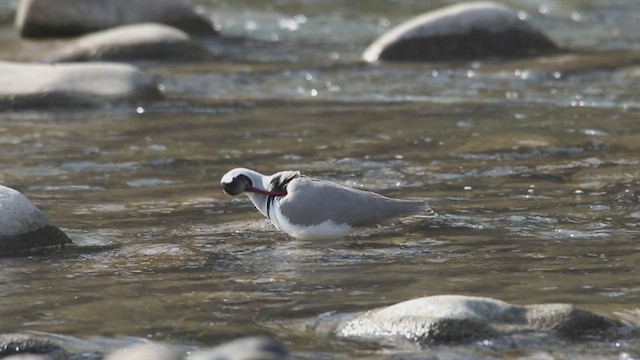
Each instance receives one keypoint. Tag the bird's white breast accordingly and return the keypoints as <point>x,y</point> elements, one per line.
<point>327,229</point>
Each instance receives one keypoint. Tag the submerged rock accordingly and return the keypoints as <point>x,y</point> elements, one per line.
<point>30,346</point>
<point>46,18</point>
<point>133,42</point>
<point>145,352</point>
<point>23,226</point>
<point>461,32</point>
<point>631,73</point>
<point>452,318</point>
<point>44,85</point>
<point>29,357</point>
<point>250,348</point>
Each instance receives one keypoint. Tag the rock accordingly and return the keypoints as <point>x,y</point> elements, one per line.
<point>145,352</point>
<point>25,346</point>
<point>43,85</point>
<point>452,318</point>
<point>631,73</point>
<point>251,348</point>
<point>46,18</point>
<point>465,31</point>
<point>29,357</point>
<point>23,226</point>
<point>133,42</point>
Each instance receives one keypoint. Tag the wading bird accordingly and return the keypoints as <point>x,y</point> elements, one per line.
<point>308,208</point>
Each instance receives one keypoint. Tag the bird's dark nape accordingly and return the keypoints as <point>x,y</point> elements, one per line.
<point>279,183</point>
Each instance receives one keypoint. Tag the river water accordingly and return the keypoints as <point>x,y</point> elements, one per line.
<point>532,166</point>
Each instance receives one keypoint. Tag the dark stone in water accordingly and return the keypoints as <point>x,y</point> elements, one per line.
<point>46,236</point>
<point>23,227</point>
<point>461,32</point>
<point>24,343</point>
<point>60,18</point>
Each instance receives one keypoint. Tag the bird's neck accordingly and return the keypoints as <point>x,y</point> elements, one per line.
<point>260,202</point>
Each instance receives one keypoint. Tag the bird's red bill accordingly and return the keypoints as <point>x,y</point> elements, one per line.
<point>264,192</point>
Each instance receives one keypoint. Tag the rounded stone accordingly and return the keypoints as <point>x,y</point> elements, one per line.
<point>77,84</point>
<point>59,18</point>
<point>465,31</point>
<point>454,318</point>
<point>23,226</point>
<point>28,357</point>
<point>147,41</point>
<point>255,347</point>
<point>26,346</point>
<point>145,351</point>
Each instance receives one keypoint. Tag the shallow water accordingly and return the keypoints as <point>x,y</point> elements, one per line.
<point>532,166</point>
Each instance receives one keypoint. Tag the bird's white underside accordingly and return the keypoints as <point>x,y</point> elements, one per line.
<point>326,230</point>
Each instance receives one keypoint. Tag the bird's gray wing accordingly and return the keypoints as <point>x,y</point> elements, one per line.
<point>311,202</point>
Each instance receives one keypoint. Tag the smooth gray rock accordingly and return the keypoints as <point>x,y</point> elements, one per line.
<point>28,357</point>
<point>94,84</point>
<point>453,318</point>
<point>251,348</point>
<point>47,346</point>
<point>26,346</point>
<point>145,352</point>
<point>59,18</point>
<point>23,226</point>
<point>464,31</point>
<point>147,41</point>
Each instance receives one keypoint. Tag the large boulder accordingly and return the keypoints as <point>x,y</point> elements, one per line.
<point>59,18</point>
<point>44,85</point>
<point>453,318</point>
<point>23,226</point>
<point>147,41</point>
<point>461,32</point>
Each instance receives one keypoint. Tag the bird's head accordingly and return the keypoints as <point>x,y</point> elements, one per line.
<point>241,180</point>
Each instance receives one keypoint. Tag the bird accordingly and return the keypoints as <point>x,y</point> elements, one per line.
<point>308,208</point>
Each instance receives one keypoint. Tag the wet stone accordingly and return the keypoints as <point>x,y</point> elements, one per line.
<point>23,226</point>
<point>132,42</point>
<point>46,346</point>
<point>29,346</point>
<point>258,347</point>
<point>95,84</point>
<point>60,18</point>
<point>631,73</point>
<point>145,351</point>
<point>29,357</point>
<point>467,31</point>
<point>452,318</point>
